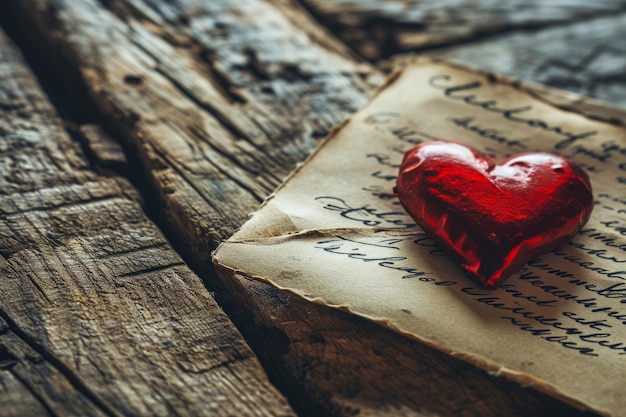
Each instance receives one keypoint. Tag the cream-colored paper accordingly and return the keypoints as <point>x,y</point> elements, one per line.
<point>335,234</point>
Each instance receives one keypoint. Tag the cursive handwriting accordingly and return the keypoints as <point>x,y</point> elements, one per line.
<point>493,134</point>
<point>377,253</point>
<point>590,266</point>
<point>571,337</point>
<point>590,303</point>
<point>459,92</point>
<point>598,253</point>
<point>384,160</point>
<point>610,241</point>
<point>382,193</point>
<point>367,216</point>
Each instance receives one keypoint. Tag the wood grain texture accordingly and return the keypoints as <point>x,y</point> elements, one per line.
<point>213,102</point>
<point>220,100</point>
<point>592,63</point>
<point>377,29</point>
<point>573,45</point>
<point>99,316</point>
<point>104,151</point>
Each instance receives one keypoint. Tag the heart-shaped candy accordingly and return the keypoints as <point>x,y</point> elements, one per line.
<point>492,218</point>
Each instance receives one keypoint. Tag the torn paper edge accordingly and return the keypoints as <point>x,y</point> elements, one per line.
<point>492,368</point>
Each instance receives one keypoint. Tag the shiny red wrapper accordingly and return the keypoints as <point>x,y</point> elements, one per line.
<point>493,218</point>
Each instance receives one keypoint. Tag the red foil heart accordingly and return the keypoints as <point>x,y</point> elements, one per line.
<point>493,218</point>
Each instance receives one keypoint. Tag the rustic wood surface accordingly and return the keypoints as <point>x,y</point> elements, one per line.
<point>215,102</point>
<point>99,316</point>
<point>377,29</point>
<point>574,45</point>
<point>594,65</point>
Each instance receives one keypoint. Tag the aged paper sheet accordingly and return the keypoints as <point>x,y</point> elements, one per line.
<point>334,233</point>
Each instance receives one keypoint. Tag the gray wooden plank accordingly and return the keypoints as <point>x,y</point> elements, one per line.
<point>378,29</point>
<point>587,57</point>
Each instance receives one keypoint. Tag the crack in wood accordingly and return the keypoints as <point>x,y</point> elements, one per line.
<point>33,391</point>
<point>72,377</point>
<point>379,30</point>
<point>151,270</point>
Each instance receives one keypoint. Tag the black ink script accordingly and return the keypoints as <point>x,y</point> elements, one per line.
<point>467,123</point>
<point>460,92</point>
<point>382,252</point>
<point>553,329</point>
<point>367,216</point>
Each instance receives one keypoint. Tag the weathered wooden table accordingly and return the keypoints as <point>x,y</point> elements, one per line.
<point>155,127</point>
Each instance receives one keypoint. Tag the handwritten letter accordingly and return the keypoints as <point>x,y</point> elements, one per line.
<point>335,233</point>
